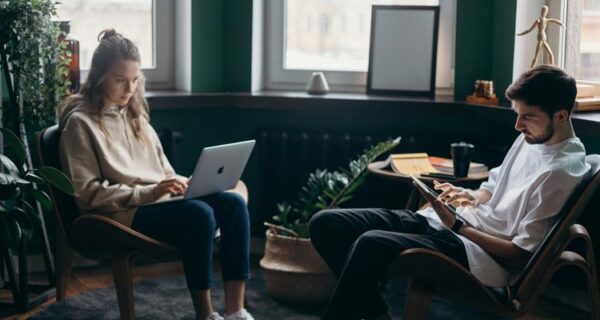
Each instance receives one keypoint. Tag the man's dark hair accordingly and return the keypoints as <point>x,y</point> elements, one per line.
<point>546,86</point>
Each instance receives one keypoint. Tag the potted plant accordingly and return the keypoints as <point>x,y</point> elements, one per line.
<point>34,65</point>
<point>19,193</point>
<point>33,69</point>
<point>294,270</point>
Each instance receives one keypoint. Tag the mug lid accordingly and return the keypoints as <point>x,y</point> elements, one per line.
<point>462,144</point>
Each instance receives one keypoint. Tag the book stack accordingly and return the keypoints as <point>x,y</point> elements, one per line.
<point>444,165</point>
<point>417,163</point>
<point>588,97</point>
<point>411,164</point>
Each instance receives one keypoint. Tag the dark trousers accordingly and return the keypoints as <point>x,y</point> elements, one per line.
<point>191,226</point>
<point>359,244</point>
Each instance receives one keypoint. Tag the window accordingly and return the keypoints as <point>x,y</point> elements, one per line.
<point>135,19</point>
<point>586,62</point>
<point>333,36</point>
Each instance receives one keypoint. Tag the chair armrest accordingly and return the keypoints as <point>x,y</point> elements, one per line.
<point>241,189</point>
<point>99,237</point>
<point>448,277</point>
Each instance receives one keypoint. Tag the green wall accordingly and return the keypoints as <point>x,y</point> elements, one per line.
<point>485,33</point>
<point>221,45</point>
<point>207,46</point>
<point>505,12</point>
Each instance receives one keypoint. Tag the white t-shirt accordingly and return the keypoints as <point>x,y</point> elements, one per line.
<point>528,191</point>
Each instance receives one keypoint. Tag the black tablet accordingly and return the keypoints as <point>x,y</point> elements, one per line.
<point>421,185</point>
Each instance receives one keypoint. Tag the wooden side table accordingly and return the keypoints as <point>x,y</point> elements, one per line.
<point>383,169</point>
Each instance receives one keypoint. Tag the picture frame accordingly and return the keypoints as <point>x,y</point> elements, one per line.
<point>403,50</point>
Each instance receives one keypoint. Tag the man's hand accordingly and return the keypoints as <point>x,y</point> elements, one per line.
<point>446,216</point>
<point>450,193</point>
<point>171,186</point>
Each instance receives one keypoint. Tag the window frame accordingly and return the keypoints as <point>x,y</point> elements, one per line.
<point>275,77</point>
<point>566,41</point>
<point>161,76</point>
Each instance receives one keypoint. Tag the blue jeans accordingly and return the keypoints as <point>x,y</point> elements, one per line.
<point>191,224</point>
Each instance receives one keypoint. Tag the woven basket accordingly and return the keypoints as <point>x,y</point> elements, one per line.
<point>295,272</point>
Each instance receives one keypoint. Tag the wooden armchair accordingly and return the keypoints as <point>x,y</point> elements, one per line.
<point>431,272</point>
<point>98,237</point>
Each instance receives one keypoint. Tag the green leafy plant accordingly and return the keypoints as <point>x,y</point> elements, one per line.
<point>326,190</point>
<point>34,62</point>
<point>19,190</point>
<point>34,66</point>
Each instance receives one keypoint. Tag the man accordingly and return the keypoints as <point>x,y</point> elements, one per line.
<point>507,216</point>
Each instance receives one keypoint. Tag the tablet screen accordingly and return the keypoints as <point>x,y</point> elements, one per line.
<point>420,184</point>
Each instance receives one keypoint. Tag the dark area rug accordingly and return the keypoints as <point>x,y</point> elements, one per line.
<point>168,298</point>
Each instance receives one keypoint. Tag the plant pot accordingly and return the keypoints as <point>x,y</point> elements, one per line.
<point>295,272</point>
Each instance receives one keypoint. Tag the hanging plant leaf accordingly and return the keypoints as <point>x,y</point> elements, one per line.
<point>32,177</point>
<point>17,147</point>
<point>43,199</point>
<point>9,165</point>
<point>10,231</point>
<point>8,187</point>
<point>58,179</point>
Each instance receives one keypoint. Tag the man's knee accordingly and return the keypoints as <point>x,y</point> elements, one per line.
<point>321,222</point>
<point>369,239</point>
<point>379,243</point>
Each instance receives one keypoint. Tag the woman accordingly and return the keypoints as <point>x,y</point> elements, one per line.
<point>116,163</point>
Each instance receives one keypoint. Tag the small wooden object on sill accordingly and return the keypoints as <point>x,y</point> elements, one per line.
<point>587,104</point>
<point>483,100</point>
<point>484,93</point>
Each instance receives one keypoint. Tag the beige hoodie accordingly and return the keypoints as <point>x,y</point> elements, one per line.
<point>112,176</point>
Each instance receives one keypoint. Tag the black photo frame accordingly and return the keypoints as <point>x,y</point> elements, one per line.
<point>403,50</point>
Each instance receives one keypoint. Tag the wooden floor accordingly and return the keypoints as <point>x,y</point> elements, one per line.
<point>90,278</point>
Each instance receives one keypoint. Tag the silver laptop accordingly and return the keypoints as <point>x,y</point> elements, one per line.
<point>219,168</point>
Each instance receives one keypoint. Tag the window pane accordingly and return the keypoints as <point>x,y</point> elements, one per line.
<point>331,35</point>
<point>131,18</point>
<point>589,51</point>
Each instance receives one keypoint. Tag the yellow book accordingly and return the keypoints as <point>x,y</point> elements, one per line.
<point>411,163</point>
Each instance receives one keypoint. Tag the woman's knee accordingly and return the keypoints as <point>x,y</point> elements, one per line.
<point>233,198</point>
<point>234,205</point>
<point>198,215</point>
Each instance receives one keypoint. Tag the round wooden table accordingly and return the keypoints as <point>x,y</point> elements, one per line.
<point>384,169</point>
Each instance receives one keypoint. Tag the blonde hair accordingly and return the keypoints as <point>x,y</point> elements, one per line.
<point>113,47</point>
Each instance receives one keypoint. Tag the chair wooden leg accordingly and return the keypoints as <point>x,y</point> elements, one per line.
<point>418,299</point>
<point>588,266</point>
<point>592,273</point>
<point>123,276</point>
<point>594,296</point>
<point>64,262</point>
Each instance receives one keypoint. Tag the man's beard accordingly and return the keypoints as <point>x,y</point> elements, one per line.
<point>547,135</point>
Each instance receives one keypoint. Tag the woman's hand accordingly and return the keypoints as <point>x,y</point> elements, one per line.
<point>452,193</point>
<point>171,186</point>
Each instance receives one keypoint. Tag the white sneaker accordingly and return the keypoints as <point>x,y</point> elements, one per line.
<point>240,315</point>
<point>214,316</point>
